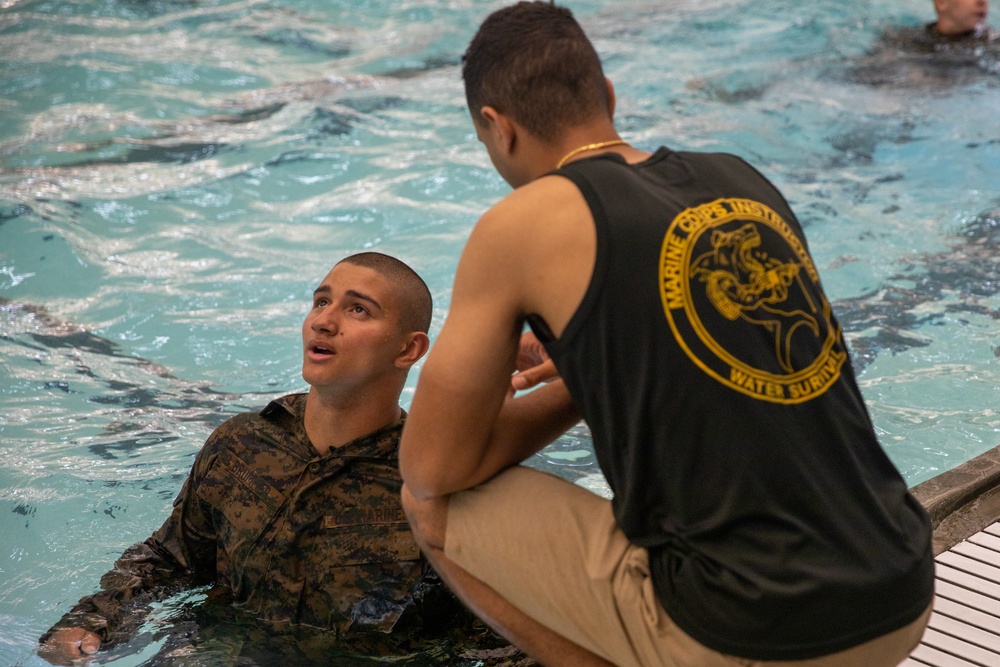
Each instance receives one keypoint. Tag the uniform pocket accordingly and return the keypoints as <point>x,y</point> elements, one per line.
<point>244,499</point>
<point>357,542</point>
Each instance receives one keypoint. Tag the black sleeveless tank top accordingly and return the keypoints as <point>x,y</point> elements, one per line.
<point>727,419</point>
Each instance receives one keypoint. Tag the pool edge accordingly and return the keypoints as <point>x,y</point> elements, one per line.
<point>963,500</point>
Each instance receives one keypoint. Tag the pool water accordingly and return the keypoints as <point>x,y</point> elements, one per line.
<point>176,177</point>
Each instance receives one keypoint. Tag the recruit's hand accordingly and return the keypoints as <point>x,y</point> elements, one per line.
<point>533,364</point>
<point>67,646</point>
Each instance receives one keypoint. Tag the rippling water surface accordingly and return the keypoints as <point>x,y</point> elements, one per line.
<point>175,177</point>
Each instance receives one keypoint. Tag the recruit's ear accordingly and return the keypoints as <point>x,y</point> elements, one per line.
<point>417,344</point>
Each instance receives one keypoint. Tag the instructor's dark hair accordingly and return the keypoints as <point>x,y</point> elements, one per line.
<point>533,62</point>
<point>415,301</point>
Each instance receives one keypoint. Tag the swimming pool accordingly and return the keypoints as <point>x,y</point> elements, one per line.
<point>176,176</point>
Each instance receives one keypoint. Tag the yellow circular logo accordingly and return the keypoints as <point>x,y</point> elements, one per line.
<point>744,302</point>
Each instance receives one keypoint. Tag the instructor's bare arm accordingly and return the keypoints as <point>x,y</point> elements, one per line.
<point>462,427</point>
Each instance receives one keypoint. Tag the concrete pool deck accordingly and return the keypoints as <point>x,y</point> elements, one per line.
<point>962,501</point>
<point>964,505</point>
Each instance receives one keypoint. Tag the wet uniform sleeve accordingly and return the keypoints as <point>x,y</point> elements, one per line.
<point>181,553</point>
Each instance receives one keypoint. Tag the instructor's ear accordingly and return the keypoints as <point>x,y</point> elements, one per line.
<point>417,344</point>
<point>500,127</point>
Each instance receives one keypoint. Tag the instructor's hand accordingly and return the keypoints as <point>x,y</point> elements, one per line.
<point>67,645</point>
<point>533,364</point>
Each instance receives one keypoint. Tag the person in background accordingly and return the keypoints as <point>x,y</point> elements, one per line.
<point>960,19</point>
<point>755,519</point>
<point>294,511</point>
<point>957,48</point>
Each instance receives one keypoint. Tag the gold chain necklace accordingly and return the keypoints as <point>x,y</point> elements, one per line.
<point>589,147</point>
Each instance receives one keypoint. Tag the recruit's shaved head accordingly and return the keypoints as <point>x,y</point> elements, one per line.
<point>415,300</point>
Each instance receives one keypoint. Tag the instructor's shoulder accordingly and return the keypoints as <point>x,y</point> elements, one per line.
<point>544,199</point>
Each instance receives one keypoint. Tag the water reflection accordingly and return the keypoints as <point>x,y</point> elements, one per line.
<point>202,627</point>
<point>961,281</point>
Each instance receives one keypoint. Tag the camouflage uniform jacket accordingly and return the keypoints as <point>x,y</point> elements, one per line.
<point>297,537</point>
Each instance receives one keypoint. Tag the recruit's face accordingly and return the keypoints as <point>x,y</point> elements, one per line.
<point>351,336</point>
<point>960,16</point>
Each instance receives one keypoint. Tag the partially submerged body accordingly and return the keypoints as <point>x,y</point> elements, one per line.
<point>293,514</point>
<point>957,46</point>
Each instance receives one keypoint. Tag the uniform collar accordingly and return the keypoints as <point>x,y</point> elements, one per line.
<point>381,443</point>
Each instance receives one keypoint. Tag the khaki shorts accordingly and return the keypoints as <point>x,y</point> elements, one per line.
<point>554,551</point>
